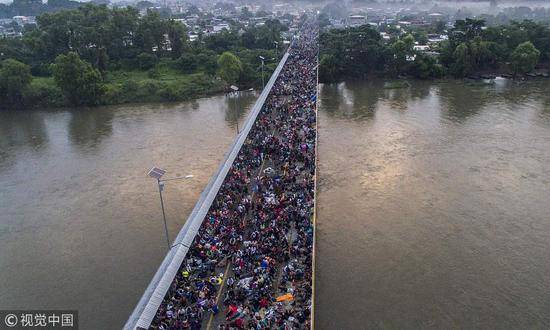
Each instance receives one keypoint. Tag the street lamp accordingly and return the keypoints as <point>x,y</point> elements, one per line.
<point>276,48</point>
<point>157,173</point>
<point>235,89</point>
<point>263,59</point>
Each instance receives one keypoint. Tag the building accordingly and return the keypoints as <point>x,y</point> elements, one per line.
<point>9,32</point>
<point>356,20</point>
<point>436,38</point>
<point>219,27</point>
<point>23,20</point>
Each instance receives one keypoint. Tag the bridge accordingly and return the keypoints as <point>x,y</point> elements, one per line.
<point>249,242</point>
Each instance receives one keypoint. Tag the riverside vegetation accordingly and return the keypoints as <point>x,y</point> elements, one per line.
<point>95,55</point>
<point>472,48</point>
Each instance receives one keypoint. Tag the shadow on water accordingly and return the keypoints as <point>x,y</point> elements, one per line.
<point>405,92</point>
<point>20,130</point>
<point>359,100</point>
<point>464,102</point>
<point>517,93</point>
<point>235,108</point>
<point>88,127</point>
<point>420,90</point>
<point>351,99</point>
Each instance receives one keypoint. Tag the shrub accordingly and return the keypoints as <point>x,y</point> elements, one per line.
<point>113,94</point>
<point>188,63</point>
<point>15,77</point>
<point>146,61</point>
<point>169,93</point>
<point>44,93</point>
<point>153,73</point>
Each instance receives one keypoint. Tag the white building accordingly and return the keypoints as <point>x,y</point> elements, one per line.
<point>218,27</point>
<point>22,20</point>
<point>357,20</point>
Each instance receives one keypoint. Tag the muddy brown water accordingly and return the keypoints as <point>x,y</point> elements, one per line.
<point>433,204</point>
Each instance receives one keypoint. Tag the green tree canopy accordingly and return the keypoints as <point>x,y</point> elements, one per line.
<point>177,35</point>
<point>78,80</point>
<point>329,68</point>
<point>353,52</point>
<point>230,67</point>
<point>401,51</point>
<point>525,57</point>
<point>14,79</point>
<point>462,65</point>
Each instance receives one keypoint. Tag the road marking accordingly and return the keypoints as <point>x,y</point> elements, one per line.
<point>220,290</point>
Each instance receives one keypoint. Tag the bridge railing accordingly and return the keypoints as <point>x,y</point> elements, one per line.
<point>145,311</point>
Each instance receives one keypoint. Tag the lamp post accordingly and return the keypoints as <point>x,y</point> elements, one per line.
<point>235,90</point>
<point>157,173</point>
<point>263,62</point>
<point>263,84</point>
<point>276,47</point>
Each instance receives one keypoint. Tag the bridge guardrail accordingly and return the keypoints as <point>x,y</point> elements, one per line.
<point>145,311</point>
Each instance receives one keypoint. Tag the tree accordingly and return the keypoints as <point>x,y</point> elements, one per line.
<point>525,57</point>
<point>80,83</point>
<point>402,51</point>
<point>177,34</point>
<point>188,63</point>
<point>481,55</point>
<point>424,67</point>
<point>329,69</point>
<point>462,61</point>
<point>15,77</point>
<point>150,33</point>
<point>230,67</point>
<point>470,28</point>
<point>353,52</point>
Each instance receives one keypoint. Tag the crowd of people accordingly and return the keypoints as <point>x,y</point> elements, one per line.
<point>250,265</point>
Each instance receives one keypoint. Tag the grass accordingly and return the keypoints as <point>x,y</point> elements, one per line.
<point>157,85</point>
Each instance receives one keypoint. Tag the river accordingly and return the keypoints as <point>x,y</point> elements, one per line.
<point>80,221</point>
<point>433,206</point>
<point>432,211</point>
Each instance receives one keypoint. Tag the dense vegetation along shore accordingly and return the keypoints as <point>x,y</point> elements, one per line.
<point>112,56</point>
<point>472,49</point>
<point>96,55</point>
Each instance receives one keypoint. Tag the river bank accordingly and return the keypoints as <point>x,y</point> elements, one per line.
<point>158,85</point>
<point>121,87</point>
